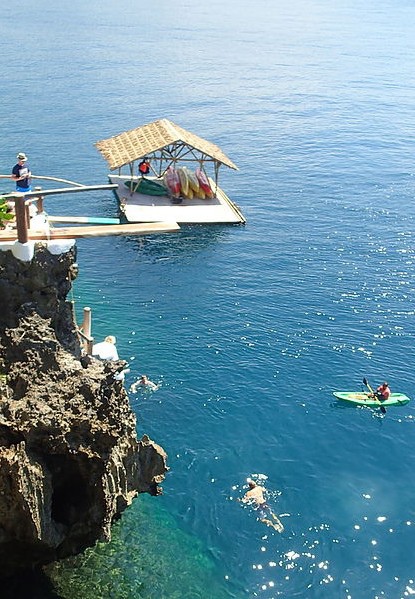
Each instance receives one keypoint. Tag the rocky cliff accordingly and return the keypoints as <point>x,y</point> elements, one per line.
<point>70,460</point>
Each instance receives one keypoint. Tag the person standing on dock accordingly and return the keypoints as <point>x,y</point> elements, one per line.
<point>21,174</point>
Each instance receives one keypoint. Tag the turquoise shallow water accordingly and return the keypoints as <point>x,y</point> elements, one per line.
<point>248,329</point>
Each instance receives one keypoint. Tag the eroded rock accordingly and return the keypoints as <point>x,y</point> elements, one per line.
<point>70,460</point>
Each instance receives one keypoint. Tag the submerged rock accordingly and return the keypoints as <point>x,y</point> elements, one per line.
<point>70,460</point>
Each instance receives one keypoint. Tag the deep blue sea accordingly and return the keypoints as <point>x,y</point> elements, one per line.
<point>248,329</point>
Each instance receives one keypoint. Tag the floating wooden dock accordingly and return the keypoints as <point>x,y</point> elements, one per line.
<point>142,208</point>
<point>161,146</point>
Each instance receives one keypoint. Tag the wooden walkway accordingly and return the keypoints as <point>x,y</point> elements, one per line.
<point>92,231</point>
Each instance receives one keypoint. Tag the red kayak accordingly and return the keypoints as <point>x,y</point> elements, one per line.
<point>172,180</point>
<point>203,182</point>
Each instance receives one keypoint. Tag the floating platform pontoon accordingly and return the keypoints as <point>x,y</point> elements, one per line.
<point>141,208</point>
<point>165,146</point>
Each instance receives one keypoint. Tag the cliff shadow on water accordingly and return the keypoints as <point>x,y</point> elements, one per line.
<point>30,584</point>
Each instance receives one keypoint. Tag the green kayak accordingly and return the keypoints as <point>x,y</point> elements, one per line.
<point>362,398</point>
<point>147,187</point>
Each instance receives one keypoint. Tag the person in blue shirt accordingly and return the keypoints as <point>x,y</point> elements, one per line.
<point>21,174</point>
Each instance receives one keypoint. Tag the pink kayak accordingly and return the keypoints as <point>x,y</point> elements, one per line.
<point>172,180</point>
<point>203,182</point>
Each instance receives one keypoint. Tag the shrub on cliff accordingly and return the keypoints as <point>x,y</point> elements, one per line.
<point>4,212</point>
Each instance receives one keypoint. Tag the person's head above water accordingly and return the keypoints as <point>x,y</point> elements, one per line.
<point>251,483</point>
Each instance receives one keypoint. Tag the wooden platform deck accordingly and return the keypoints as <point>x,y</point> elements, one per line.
<point>141,208</point>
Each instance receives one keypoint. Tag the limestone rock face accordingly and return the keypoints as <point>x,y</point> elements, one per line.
<point>70,460</point>
<point>44,282</point>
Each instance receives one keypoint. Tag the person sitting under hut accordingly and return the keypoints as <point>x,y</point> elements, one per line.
<point>144,167</point>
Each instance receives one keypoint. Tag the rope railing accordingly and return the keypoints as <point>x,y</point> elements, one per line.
<point>48,179</point>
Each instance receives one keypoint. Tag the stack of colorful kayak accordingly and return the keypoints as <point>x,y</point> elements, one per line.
<point>182,182</point>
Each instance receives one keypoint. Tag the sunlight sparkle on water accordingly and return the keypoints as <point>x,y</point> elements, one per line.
<point>292,555</point>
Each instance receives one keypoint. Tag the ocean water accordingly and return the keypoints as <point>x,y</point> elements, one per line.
<point>248,329</point>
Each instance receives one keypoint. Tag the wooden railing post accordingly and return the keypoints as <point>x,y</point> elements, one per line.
<point>39,201</point>
<point>89,345</point>
<point>27,210</point>
<point>87,328</point>
<point>87,322</point>
<point>21,219</point>
<point>84,332</point>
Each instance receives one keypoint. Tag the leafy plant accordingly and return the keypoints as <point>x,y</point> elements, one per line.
<point>5,215</point>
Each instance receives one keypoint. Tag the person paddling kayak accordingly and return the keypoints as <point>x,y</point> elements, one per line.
<point>381,397</point>
<point>383,392</point>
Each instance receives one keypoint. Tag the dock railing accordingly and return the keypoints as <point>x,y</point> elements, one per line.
<point>22,202</point>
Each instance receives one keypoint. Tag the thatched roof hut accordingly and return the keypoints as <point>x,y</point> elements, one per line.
<point>163,143</point>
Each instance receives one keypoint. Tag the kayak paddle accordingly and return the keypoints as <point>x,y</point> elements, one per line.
<point>382,408</point>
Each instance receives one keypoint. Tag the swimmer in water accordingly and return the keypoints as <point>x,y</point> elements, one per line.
<point>143,381</point>
<point>255,497</point>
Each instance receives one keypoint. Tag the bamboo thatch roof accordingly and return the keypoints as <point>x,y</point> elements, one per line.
<point>129,146</point>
